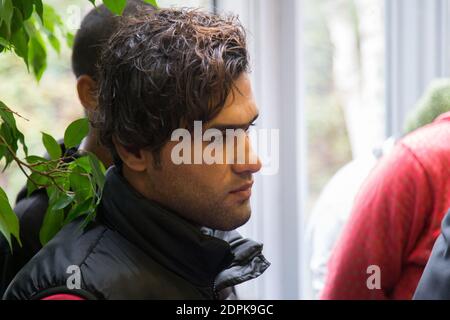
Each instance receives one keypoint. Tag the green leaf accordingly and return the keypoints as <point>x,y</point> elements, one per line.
<point>35,159</point>
<point>75,132</point>
<point>152,2</point>
<point>22,141</point>
<point>7,116</point>
<point>36,177</point>
<point>31,187</point>
<point>82,162</point>
<point>5,133</point>
<point>54,42</point>
<point>37,56</point>
<point>51,18</point>
<point>63,181</point>
<point>80,183</point>
<point>9,223</point>
<point>4,42</point>
<point>53,220</point>
<point>63,201</point>
<point>6,13</point>
<point>17,21</point>
<point>39,8</point>
<point>98,171</point>
<point>93,2</point>
<point>10,133</point>
<point>25,7</point>
<point>90,216</point>
<point>70,39</point>
<point>4,32</point>
<point>115,6</point>
<point>3,150</point>
<point>19,40</point>
<point>52,146</point>
<point>39,179</point>
<point>78,210</point>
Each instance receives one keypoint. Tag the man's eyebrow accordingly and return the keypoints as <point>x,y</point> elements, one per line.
<point>224,126</point>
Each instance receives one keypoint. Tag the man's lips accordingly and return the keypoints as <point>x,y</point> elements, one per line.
<point>244,192</point>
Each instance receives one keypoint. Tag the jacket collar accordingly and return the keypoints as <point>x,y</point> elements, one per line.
<point>179,246</point>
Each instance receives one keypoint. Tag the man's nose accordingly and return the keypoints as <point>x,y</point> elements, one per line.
<point>251,163</point>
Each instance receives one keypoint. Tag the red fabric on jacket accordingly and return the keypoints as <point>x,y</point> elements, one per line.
<point>63,297</point>
<point>396,219</point>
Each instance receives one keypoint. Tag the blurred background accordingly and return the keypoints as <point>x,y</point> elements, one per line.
<point>336,77</point>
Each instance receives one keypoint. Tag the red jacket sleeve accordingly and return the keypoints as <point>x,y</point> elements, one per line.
<point>387,218</point>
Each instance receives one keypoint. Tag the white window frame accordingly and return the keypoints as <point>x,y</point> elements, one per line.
<point>417,51</point>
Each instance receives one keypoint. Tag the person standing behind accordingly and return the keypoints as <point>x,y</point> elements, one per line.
<point>397,214</point>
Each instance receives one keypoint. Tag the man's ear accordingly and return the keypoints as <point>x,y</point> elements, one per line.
<point>136,161</point>
<point>87,88</point>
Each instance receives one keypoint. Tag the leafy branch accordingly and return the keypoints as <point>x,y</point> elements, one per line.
<point>74,184</point>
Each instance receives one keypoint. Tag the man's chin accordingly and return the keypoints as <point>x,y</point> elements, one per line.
<point>239,217</point>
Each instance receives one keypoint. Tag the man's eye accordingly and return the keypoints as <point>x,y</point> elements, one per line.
<point>249,126</point>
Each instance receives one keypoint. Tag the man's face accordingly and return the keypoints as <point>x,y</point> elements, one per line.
<point>212,195</point>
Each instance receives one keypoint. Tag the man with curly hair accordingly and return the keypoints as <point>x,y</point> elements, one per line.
<point>163,71</point>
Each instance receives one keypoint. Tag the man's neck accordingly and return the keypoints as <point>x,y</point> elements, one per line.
<point>91,144</point>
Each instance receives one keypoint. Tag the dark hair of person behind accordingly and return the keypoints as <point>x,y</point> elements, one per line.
<point>164,70</point>
<point>95,30</point>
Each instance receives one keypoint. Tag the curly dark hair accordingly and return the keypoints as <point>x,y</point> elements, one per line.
<point>164,69</point>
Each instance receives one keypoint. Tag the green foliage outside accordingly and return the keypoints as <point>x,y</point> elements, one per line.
<point>433,103</point>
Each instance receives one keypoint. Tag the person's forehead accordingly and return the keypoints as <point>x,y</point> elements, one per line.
<point>240,105</point>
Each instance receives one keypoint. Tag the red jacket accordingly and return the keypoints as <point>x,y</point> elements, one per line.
<point>396,219</point>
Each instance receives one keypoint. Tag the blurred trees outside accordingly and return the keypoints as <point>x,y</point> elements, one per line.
<point>344,62</point>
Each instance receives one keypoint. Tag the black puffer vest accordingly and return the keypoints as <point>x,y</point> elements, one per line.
<point>138,250</point>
